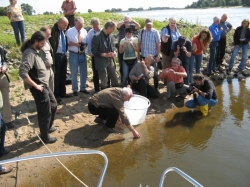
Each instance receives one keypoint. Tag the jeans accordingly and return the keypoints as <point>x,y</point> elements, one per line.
<point>189,66</point>
<point>2,131</point>
<point>145,89</point>
<point>75,61</point>
<point>46,106</point>
<point>60,75</point>
<point>120,60</point>
<point>243,58</point>
<point>125,75</point>
<point>18,26</point>
<point>201,101</point>
<point>198,60</point>
<point>109,114</point>
<point>212,61</point>
<point>221,50</point>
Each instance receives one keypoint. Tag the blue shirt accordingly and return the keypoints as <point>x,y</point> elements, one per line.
<point>225,25</point>
<point>216,32</point>
<point>149,41</point>
<point>174,35</point>
<point>90,36</point>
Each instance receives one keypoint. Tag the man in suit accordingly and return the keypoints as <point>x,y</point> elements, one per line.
<point>104,52</point>
<point>58,42</point>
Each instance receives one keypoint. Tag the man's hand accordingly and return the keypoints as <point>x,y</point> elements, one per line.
<point>3,69</point>
<point>195,89</point>
<point>39,87</point>
<point>143,64</point>
<point>136,134</point>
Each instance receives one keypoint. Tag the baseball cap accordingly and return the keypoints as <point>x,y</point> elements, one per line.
<point>181,40</point>
<point>149,21</point>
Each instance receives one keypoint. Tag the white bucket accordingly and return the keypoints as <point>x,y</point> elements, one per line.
<point>136,109</point>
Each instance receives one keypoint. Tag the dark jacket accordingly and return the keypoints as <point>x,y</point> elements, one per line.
<point>166,47</point>
<point>55,36</point>
<point>99,46</point>
<point>209,88</point>
<point>237,34</point>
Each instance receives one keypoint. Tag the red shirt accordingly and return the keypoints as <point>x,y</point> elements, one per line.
<point>198,44</point>
<point>69,6</point>
<point>172,76</point>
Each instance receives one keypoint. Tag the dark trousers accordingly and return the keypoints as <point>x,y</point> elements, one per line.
<point>156,80</point>
<point>71,20</point>
<point>95,75</point>
<point>221,50</point>
<point>46,108</point>
<point>2,132</point>
<point>145,89</point>
<point>60,75</point>
<point>120,59</point>
<point>109,114</point>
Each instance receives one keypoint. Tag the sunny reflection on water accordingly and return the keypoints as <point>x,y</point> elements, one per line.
<point>214,150</point>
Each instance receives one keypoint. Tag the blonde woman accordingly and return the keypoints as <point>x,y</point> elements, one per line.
<point>14,13</point>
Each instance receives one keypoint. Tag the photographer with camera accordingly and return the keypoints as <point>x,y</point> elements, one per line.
<point>77,38</point>
<point>205,94</point>
<point>174,77</point>
<point>182,50</point>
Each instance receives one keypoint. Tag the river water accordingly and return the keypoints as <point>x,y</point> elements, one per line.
<point>214,150</point>
<point>203,16</point>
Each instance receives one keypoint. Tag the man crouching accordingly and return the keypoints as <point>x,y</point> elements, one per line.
<point>206,94</point>
<point>108,104</point>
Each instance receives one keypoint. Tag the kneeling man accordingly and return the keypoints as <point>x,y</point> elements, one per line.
<point>207,96</point>
<point>140,75</point>
<point>108,104</point>
<point>174,77</point>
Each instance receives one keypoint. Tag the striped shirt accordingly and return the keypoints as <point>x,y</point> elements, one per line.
<point>149,40</point>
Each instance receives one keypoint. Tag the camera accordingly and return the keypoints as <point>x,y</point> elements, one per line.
<point>191,87</point>
<point>82,46</point>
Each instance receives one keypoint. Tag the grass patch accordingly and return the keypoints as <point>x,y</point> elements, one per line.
<point>13,75</point>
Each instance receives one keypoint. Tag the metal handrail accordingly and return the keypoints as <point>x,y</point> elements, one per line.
<point>181,173</point>
<point>88,152</point>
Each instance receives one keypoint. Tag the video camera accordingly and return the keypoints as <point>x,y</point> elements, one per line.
<point>82,46</point>
<point>191,87</point>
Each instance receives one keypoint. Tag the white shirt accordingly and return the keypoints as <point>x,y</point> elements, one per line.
<point>72,35</point>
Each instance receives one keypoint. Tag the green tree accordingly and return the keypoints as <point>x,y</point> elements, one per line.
<point>27,9</point>
<point>89,10</point>
<point>3,11</point>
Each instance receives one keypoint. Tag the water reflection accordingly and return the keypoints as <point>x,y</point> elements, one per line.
<point>204,147</point>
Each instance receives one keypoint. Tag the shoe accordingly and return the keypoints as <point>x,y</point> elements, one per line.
<point>99,121</point>
<point>67,96</point>
<point>75,93</point>
<point>50,140</point>
<point>85,91</point>
<point>59,101</point>
<point>7,150</point>
<point>52,129</point>
<point>5,170</point>
<point>10,125</point>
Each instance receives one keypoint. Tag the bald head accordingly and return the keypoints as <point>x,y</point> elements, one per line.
<point>62,23</point>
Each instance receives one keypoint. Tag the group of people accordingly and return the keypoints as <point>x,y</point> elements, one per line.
<point>44,64</point>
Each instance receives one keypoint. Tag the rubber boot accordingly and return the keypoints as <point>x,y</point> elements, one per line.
<point>204,110</point>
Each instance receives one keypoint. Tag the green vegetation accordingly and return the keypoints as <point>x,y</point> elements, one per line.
<point>137,9</point>
<point>218,3</point>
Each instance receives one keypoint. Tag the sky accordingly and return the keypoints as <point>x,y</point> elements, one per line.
<point>41,6</point>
